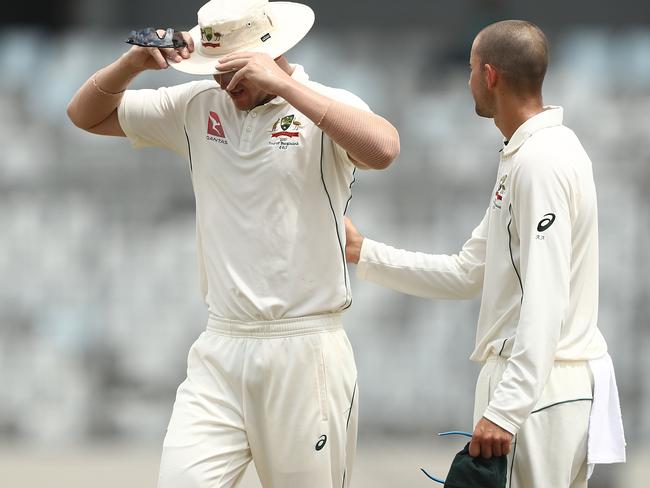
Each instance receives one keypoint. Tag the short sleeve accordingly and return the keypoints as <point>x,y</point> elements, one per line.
<point>156,117</point>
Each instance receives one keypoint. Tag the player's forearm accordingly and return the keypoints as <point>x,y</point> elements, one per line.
<point>101,94</point>
<point>542,317</point>
<point>526,374</point>
<point>419,274</point>
<point>368,138</point>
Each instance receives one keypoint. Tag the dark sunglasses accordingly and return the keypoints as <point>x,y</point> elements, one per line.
<point>148,37</point>
<point>444,434</point>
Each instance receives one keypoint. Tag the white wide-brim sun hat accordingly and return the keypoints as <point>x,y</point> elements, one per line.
<point>229,26</point>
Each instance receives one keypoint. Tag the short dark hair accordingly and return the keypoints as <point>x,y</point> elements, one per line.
<point>518,49</point>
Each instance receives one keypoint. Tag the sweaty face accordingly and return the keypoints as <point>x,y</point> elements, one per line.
<point>478,86</point>
<point>244,95</point>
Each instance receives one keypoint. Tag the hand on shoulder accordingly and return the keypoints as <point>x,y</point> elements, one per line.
<point>353,242</point>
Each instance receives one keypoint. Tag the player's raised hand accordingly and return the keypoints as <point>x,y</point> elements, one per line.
<point>258,68</point>
<point>144,58</point>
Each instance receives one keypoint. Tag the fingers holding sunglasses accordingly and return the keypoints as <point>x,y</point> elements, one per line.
<point>186,50</point>
<point>183,44</point>
<point>158,57</point>
<point>145,57</point>
<point>178,54</point>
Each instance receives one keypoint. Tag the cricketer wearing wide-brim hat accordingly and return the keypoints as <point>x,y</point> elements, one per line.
<point>272,157</point>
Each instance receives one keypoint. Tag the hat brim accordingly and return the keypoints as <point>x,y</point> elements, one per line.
<point>291,23</point>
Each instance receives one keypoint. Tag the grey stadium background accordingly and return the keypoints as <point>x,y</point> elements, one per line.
<point>99,296</point>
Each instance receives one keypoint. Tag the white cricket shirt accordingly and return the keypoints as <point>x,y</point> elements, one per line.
<point>535,258</point>
<point>271,190</point>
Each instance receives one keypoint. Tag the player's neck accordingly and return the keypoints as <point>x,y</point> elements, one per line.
<point>513,111</point>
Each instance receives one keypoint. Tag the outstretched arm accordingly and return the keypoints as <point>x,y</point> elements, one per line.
<point>370,140</point>
<point>424,275</point>
<point>94,106</point>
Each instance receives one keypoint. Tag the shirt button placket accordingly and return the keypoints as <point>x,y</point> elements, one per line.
<point>248,129</point>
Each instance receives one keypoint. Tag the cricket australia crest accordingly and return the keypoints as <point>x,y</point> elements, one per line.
<point>286,132</point>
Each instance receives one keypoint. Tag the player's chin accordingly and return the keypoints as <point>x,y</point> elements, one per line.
<point>482,112</point>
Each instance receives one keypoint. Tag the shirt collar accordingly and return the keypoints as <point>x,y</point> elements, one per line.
<point>299,75</point>
<point>550,117</point>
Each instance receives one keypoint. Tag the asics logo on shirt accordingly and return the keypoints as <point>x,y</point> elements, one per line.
<point>546,222</point>
<point>321,442</point>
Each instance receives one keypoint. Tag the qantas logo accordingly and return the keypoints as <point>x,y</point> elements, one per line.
<point>214,126</point>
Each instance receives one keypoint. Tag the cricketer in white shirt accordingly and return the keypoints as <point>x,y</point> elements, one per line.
<point>271,190</point>
<point>273,377</point>
<point>534,260</point>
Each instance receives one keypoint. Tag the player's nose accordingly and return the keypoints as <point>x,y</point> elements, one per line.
<point>224,79</point>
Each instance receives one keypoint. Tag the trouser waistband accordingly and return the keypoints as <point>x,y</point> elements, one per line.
<point>557,362</point>
<point>275,328</point>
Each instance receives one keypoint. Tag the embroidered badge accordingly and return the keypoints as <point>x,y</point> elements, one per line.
<point>501,188</point>
<point>209,38</point>
<point>286,132</point>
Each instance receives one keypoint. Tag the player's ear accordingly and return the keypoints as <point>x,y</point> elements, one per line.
<point>491,76</point>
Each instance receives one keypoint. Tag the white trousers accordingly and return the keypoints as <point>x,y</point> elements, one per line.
<point>281,393</point>
<point>550,450</point>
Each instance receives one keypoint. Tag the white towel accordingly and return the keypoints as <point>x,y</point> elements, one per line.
<point>606,440</point>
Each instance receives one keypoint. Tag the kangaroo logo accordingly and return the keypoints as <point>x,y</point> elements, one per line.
<point>214,125</point>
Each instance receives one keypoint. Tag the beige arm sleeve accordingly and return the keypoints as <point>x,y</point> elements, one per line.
<point>368,138</point>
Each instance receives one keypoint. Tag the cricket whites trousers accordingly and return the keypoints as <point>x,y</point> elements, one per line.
<point>550,450</point>
<point>282,393</point>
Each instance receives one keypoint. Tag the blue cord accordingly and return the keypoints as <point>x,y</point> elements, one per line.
<point>442,482</point>
<point>455,432</point>
<point>442,434</point>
